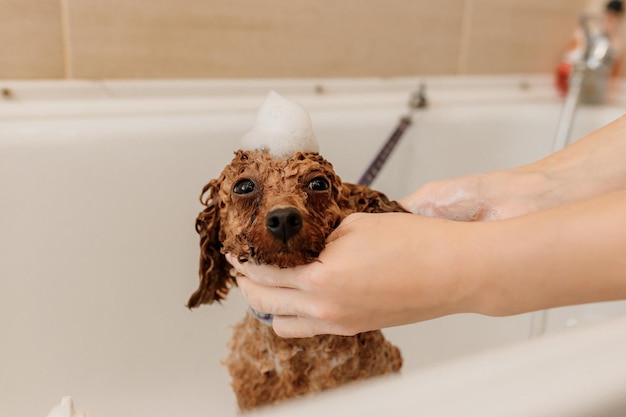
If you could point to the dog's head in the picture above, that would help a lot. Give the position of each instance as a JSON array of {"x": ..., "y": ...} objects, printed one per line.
[{"x": 276, "y": 211}]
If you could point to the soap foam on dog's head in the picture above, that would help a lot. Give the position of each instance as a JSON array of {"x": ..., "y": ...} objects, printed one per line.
[{"x": 282, "y": 127}]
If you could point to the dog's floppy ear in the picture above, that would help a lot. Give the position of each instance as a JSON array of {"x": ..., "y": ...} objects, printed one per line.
[
  {"x": 215, "y": 278},
  {"x": 357, "y": 198}
]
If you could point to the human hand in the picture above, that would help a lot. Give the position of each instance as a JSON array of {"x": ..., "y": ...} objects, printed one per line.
[
  {"x": 377, "y": 270},
  {"x": 481, "y": 197}
]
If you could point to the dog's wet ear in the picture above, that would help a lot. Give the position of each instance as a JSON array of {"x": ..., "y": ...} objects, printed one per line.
[
  {"x": 357, "y": 198},
  {"x": 215, "y": 278}
]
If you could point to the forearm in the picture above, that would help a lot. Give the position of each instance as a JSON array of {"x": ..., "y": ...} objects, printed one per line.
[
  {"x": 570, "y": 254},
  {"x": 589, "y": 167}
]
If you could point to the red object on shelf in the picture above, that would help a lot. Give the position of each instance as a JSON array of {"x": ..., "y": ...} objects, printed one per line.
[{"x": 563, "y": 72}]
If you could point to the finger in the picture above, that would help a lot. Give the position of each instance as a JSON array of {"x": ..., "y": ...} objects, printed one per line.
[
  {"x": 234, "y": 262},
  {"x": 344, "y": 227},
  {"x": 293, "y": 327},
  {"x": 409, "y": 204},
  {"x": 268, "y": 275},
  {"x": 272, "y": 300},
  {"x": 299, "y": 326},
  {"x": 414, "y": 202}
]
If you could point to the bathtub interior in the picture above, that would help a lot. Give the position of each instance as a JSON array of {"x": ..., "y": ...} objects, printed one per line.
[{"x": 99, "y": 251}]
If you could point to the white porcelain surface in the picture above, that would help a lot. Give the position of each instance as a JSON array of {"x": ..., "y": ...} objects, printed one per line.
[
  {"x": 579, "y": 373},
  {"x": 99, "y": 191}
]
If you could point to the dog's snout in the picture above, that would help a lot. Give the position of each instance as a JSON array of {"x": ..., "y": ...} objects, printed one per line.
[{"x": 283, "y": 222}]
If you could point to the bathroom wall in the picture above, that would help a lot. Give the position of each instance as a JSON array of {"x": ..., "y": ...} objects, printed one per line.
[{"x": 77, "y": 39}]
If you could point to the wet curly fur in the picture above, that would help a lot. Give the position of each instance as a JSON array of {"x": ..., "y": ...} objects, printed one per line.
[{"x": 240, "y": 218}]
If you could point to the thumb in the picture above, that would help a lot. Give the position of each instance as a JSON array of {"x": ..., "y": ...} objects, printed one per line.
[{"x": 344, "y": 227}]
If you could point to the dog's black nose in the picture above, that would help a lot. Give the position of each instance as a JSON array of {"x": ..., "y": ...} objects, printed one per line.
[{"x": 283, "y": 222}]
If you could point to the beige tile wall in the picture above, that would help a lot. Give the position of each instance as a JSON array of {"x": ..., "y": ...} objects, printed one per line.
[
  {"x": 280, "y": 38},
  {"x": 30, "y": 39}
]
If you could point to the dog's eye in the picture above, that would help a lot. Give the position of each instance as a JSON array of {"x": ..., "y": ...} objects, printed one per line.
[
  {"x": 244, "y": 187},
  {"x": 319, "y": 184}
]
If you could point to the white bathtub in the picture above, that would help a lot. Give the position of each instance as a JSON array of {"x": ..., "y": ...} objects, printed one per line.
[{"x": 98, "y": 254}]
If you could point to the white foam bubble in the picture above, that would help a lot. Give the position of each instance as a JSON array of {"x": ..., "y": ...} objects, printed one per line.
[
  {"x": 282, "y": 127},
  {"x": 66, "y": 409}
]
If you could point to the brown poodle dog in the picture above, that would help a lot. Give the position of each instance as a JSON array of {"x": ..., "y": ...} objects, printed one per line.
[{"x": 280, "y": 211}]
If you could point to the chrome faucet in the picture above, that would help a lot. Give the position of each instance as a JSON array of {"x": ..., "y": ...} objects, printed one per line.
[
  {"x": 589, "y": 79},
  {"x": 596, "y": 63},
  {"x": 598, "y": 44}
]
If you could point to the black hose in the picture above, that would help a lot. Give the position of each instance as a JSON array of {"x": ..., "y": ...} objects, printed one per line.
[
  {"x": 416, "y": 101},
  {"x": 381, "y": 157}
]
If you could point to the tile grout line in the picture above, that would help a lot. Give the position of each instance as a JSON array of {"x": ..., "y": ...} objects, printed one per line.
[
  {"x": 65, "y": 40},
  {"x": 466, "y": 32}
]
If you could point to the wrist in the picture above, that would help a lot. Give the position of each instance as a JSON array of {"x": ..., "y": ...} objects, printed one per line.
[
  {"x": 540, "y": 188},
  {"x": 458, "y": 267},
  {"x": 494, "y": 281}
]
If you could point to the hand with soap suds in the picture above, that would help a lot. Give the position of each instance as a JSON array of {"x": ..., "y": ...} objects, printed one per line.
[
  {"x": 481, "y": 197},
  {"x": 590, "y": 167}
]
